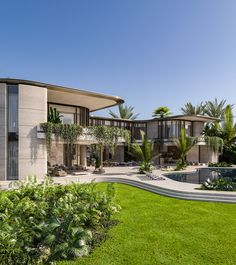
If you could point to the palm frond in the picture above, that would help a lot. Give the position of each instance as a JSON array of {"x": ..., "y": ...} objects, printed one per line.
[
  {"x": 125, "y": 112},
  {"x": 190, "y": 109}
]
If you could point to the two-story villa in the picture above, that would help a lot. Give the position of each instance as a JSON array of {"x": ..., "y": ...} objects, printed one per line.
[
  {"x": 163, "y": 132},
  {"x": 24, "y": 106}
]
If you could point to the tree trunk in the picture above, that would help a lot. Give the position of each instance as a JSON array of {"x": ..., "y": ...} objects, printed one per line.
[{"x": 101, "y": 156}]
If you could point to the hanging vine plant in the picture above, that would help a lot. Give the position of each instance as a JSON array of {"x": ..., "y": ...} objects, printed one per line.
[
  {"x": 47, "y": 128},
  {"x": 68, "y": 132},
  {"x": 108, "y": 137}
]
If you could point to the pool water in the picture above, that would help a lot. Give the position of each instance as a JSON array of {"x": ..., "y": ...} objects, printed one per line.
[{"x": 202, "y": 174}]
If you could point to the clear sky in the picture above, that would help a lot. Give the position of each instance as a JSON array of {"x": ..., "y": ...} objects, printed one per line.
[{"x": 149, "y": 52}]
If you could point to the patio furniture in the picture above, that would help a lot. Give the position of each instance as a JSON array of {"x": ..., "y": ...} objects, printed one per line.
[{"x": 153, "y": 176}]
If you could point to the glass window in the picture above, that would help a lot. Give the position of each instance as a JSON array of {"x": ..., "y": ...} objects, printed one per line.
[
  {"x": 12, "y": 144},
  {"x": 68, "y": 118}
]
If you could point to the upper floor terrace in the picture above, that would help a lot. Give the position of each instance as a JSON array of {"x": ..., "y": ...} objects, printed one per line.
[{"x": 163, "y": 129}]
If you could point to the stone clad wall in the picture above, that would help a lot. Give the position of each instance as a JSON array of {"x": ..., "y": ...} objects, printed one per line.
[
  {"x": 32, "y": 112},
  {"x": 3, "y": 131}
]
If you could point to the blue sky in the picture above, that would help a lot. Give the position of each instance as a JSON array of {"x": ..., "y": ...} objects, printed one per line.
[{"x": 149, "y": 52}]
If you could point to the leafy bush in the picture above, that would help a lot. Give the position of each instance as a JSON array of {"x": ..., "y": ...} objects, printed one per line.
[
  {"x": 229, "y": 155},
  {"x": 223, "y": 184},
  {"x": 145, "y": 167},
  {"x": 180, "y": 165},
  {"x": 220, "y": 164},
  {"x": 43, "y": 223}
]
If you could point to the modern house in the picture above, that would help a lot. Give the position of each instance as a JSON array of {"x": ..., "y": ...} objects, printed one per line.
[
  {"x": 24, "y": 106},
  {"x": 163, "y": 131}
]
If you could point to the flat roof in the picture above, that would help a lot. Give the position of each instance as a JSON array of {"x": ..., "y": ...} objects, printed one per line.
[
  {"x": 71, "y": 96},
  {"x": 203, "y": 118},
  {"x": 200, "y": 118}
]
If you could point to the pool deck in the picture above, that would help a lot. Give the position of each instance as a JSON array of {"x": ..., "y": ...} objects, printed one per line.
[{"x": 166, "y": 187}]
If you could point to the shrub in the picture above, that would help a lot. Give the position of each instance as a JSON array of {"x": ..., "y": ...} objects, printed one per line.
[
  {"x": 180, "y": 165},
  {"x": 220, "y": 164},
  {"x": 223, "y": 184},
  {"x": 229, "y": 155},
  {"x": 43, "y": 223},
  {"x": 145, "y": 167}
]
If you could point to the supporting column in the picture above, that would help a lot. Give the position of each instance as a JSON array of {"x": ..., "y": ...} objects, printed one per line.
[
  {"x": 32, "y": 112},
  {"x": 3, "y": 132},
  {"x": 83, "y": 155}
]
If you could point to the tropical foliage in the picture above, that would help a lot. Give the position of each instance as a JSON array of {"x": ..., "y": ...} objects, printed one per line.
[
  {"x": 44, "y": 223},
  {"x": 184, "y": 145},
  {"x": 108, "y": 137},
  {"x": 220, "y": 164},
  {"x": 67, "y": 132},
  {"x": 125, "y": 112},
  {"x": 105, "y": 136},
  {"x": 219, "y": 134},
  {"x": 228, "y": 127},
  {"x": 223, "y": 184},
  {"x": 161, "y": 112},
  {"x": 215, "y": 108},
  {"x": 54, "y": 115},
  {"x": 190, "y": 109},
  {"x": 145, "y": 153}
]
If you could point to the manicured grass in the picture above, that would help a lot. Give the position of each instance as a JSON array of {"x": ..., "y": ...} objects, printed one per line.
[{"x": 154, "y": 229}]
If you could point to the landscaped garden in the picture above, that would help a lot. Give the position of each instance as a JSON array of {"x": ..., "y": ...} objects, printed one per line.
[{"x": 153, "y": 229}]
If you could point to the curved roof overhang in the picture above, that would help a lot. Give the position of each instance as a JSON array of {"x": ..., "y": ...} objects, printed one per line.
[{"x": 72, "y": 96}]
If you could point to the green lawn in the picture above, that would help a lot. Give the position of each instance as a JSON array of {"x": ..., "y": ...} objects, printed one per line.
[{"x": 154, "y": 229}]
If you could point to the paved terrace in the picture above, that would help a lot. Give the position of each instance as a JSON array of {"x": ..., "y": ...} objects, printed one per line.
[{"x": 166, "y": 187}]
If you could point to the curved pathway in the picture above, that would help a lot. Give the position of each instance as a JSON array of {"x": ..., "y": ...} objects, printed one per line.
[{"x": 167, "y": 187}]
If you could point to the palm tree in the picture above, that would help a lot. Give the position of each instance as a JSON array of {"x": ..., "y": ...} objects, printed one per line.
[
  {"x": 215, "y": 109},
  {"x": 228, "y": 127},
  {"x": 190, "y": 109},
  {"x": 184, "y": 145},
  {"x": 161, "y": 112},
  {"x": 144, "y": 153},
  {"x": 125, "y": 112}
]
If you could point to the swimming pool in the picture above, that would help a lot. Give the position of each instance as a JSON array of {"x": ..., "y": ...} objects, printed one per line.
[{"x": 202, "y": 174}]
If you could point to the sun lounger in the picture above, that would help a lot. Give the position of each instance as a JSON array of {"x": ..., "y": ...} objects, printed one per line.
[{"x": 153, "y": 176}]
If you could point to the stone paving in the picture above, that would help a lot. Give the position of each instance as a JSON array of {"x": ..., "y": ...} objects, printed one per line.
[{"x": 131, "y": 173}]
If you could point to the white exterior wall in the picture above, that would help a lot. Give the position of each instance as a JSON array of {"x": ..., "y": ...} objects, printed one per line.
[
  {"x": 32, "y": 112},
  {"x": 3, "y": 131}
]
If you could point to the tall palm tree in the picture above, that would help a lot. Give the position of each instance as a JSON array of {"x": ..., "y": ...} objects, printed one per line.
[
  {"x": 190, "y": 109},
  {"x": 215, "y": 109},
  {"x": 125, "y": 112},
  {"x": 184, "y": 145},
  {"x": 228, "y": 127},
  {"x": 144, "y": 153},
  {"x": 161, "y": 112}
]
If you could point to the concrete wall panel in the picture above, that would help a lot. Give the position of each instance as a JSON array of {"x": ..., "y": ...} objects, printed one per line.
[
  {"x": 193, "y": 155},
  {"x": 3, "y": 131},
  {"x": 32, "y": 112}
]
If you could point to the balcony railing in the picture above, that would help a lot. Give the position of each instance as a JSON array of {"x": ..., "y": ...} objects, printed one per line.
[{"x": 84, "y": 138}]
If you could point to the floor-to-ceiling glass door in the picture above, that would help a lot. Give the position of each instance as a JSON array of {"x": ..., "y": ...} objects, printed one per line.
[{"x": 12, "y": 126}]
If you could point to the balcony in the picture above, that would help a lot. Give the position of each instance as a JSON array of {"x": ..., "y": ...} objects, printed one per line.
[{"x": 85, "y": 138}]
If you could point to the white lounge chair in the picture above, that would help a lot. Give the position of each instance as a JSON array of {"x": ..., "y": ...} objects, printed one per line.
[{"x": 153, "y": 176}]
